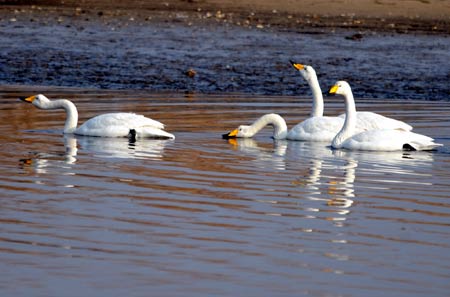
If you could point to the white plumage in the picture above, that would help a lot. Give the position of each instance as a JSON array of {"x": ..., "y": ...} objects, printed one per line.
[
  {"x": 247, "y": 131},
  {"x": 320, "y": 128},
  {"x": 316, "y": 129},
  {"x": 106, "y": 125},
  {"x": 374, "y": 140}
]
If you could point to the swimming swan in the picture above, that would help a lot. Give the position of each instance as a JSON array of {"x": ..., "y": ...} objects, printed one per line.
[
  {"x": 374, "y": 140},
  {"x": 106, "y": 125},
  {"x": 315, "y": 129},
  {"x": 280, "y": 130},
  {"x": 365, "y": 120}
]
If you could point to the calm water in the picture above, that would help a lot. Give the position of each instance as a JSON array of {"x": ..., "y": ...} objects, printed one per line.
[{"x": 203, "y": 216}]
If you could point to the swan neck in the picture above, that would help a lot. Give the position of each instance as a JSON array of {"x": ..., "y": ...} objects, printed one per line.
[
  {"x": 317, "y": 108},
  {"x": 348, "y": 129},
  {"x": 71, "y": 114},
  {"x": 278, "y": 123}
]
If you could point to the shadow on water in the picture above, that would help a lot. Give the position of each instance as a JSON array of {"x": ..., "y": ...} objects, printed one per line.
[{"x": 204, "y": 216}]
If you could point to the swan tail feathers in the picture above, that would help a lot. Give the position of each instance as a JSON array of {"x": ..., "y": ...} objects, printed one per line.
[
  {"x": 151, "y": 132},
  {"x": 414, "y": 146}
]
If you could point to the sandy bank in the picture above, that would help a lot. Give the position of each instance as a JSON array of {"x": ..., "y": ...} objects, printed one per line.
[{"x": 431, "y": 16}]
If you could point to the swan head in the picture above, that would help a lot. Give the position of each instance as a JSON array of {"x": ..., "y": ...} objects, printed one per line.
[
  {"x": 40, "y": 101},
  {"x": 341, "y": 88},
  {"x": 306, "y": 71},
  {"x": 242, "y": 131}
]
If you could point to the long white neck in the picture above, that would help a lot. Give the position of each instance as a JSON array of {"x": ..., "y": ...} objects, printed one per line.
[
  {"x": 348, "y": 129},
  {"x": 317, "y": 108},
  {"x": 71, "y": 113},
  {"x": 278, "y": 123}
]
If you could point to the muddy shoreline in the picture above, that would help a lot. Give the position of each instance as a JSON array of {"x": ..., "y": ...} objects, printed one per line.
[{"x": 197, "y": 47}]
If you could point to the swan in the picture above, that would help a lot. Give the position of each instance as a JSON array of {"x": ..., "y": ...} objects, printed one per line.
[
  {"x": 374, "y": 140},
  {"x": 120, "y": 124},
  {"x": 365, "y": 120},
  {"x": 280, "y": 130},
  {"x": 315, "y": 129}
]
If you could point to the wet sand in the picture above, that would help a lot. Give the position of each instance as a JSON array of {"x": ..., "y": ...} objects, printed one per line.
[{"x": 426, "y": 16}]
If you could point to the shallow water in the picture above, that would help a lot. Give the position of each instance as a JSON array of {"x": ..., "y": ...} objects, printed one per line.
[{"x": 203, "y": 216}]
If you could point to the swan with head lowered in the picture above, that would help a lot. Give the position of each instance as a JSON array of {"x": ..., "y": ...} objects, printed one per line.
[
  {"x": 365, "y": 120},
  {"x": 280, "y": 131},
  {"x": 120, "y": 124},
  {"x": 374, "y": 140}
]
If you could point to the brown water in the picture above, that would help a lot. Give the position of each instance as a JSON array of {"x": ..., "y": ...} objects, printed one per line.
[{"x": 203, "y": 216}]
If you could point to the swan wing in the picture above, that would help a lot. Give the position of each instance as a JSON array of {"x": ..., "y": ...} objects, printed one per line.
[
  {"x": 389, "y": 140},
  {"x": 316, "y": 129},
  {"x": 117, "y": 125},
  {"x": 367, "y": 120}
]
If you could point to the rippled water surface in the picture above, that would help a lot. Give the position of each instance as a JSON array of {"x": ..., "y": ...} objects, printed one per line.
[{"x": 203, "y": 216}]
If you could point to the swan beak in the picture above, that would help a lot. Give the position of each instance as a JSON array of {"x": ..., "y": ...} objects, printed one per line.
[
  {"x": 334, "y": 89},
  {"x": 298, "y": 66},
  {"x": 232, "y": 134},
  {"x": 28, "y": 99}
]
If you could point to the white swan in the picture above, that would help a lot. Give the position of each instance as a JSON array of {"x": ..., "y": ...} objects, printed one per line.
[
  {"x": 365, "y": 120},
  {"x": 315, "y": 129},
  {"x": 106, "y": 125},
  {"x": 280, "y": 130},
  {"x": 374, "y": 140}
]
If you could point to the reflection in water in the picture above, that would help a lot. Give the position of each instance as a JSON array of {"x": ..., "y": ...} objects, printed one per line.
[
  {"x": 99, "y": 147},
  {"x": 70, "y": 144},
  {"x": 332, "y": 173},
  {"x": 265, "y": 157},
  {"x": 324, "y": 181},
  {"x": 107, "y": 147},
  {"x": 197, "y": 215}
]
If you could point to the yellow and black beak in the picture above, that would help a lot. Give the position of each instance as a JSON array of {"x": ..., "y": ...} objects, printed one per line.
[
  {"x": 28, "y": 99},
  {"x": 232, "y": 134},
  {"x": 334, "y": 89},
  {"x": 297, "y": 65}
]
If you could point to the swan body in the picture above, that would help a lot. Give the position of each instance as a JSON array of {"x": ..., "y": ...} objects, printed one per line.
[
  {"x": 365, "y": 120},
  {"x": 374, "y": 140},
  {"x": 316, "y": 129},
  {"x": 106, "y": 125}
]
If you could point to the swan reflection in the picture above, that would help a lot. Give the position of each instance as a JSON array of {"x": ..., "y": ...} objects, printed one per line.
[
  {"x": 273, "y": 157},
  {"x": 331, "y": 174},
  {"x": 106, "y": 147},
  {"x": 99, "y": 147}
]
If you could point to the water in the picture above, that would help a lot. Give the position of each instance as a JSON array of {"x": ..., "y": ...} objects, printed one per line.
[{"x": 203, "y": 216}]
